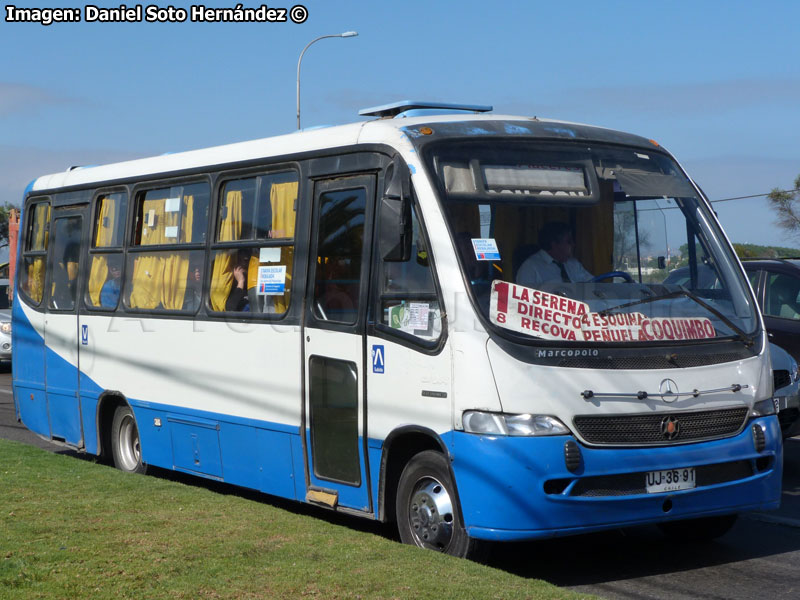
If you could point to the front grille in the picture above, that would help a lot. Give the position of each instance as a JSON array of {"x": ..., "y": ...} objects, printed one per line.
[
  {"x": 781, "y": 378},
  {"x": 660, "y": 361},
  {"x": 655, "y": 429},
  {"x": 629, "y": 484}
]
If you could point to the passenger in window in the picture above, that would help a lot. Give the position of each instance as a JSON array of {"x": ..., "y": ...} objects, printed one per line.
[
  {"x": 64, "y": 278},
  {"x": 554, "y": 261},
  {"x": 194, "y": 288},
  {"x": 109, "y": 293},
  {"x": 237, "y": 299}
]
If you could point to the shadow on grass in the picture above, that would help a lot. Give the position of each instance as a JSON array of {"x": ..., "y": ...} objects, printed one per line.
[{"x": 385, "y": 530}]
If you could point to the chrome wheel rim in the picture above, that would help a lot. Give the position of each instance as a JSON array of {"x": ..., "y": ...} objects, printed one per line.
[
  {"x": 430, "y": 515},
  {"x": 129, "y": 448}
]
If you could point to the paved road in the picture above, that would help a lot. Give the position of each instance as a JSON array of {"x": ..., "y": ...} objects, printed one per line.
[{"x": 758, "y": 559}]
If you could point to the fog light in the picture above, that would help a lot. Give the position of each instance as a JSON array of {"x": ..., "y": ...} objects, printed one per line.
[
  {"x": 572, "y": 456},
  {"x": 759, "y": 439}
]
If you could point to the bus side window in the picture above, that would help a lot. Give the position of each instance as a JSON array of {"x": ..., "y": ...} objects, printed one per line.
[
  {"x": 103, "y": 286},
  {"x": 258, "y": 215},
  {"x": 340, "y": 249},
  {"x": 171, "y": 279},
  {"x": 66, "y": 248},
  {"x": 37, "y": 235},
  {"x": 408, "y": 300}
]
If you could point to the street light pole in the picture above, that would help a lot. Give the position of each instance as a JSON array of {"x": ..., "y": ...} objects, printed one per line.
[{"x": 300, "y": 60}]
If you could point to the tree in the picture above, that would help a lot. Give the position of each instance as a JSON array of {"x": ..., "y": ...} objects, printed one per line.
[
  {"x": 4, "y": 210},
  {"x": 787, "y": 205}
]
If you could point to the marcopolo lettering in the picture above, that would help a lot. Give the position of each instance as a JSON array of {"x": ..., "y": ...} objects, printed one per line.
[{"x": 559, "y": 353}]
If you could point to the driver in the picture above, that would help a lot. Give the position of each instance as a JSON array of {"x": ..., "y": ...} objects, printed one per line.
[{"x": 554, "y": 262}]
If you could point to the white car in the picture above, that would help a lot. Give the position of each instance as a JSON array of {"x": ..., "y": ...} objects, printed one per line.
[
  {"x": 787, "y": 390},
  {"x": 5, "y": 334}
]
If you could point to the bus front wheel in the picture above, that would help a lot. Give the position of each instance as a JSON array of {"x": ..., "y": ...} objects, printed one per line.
[
  {"x": 125, "y": 446},
  {"x": 427, "y": 515}
]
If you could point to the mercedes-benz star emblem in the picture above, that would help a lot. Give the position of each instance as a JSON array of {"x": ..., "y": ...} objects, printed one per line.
[
  {"x": 669, "y": 390},
  {"x": 670, "y": 427}
]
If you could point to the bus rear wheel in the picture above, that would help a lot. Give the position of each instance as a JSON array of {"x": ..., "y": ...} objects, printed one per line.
[
  {"x": 426, "y": 510},
  {"x": 125, "y": 445}
]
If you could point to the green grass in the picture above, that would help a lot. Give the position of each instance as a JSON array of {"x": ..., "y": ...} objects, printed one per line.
[{"x": 70, "y": 528}]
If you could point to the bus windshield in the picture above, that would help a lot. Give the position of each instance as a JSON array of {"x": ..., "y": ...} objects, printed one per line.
[{"x": 589, "y": 244}]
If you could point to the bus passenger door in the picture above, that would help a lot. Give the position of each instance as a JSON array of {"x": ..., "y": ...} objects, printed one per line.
[
  {"x": 61, "y": 335},
  {"x": 333, "y": 337}
]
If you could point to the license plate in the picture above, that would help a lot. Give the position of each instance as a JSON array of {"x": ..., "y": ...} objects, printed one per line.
[{"x": 670, "y": 480}]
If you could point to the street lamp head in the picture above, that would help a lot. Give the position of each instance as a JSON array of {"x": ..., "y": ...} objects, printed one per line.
[{"x": 346, "y": 34}]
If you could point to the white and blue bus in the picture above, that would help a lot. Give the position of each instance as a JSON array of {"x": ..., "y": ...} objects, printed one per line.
[{"x": 368, "y": 317}]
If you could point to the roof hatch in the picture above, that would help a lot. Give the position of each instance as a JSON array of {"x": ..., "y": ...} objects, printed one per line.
[{"x": 415, "y": 108}]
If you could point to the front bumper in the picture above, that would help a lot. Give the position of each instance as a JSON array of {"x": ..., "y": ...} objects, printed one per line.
[{"x": 515, "y": 488}]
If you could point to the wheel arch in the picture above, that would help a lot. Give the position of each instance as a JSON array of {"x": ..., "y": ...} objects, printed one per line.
[
  {"x": 107, "y": 403},
  {"x": 399, "y": 447}
]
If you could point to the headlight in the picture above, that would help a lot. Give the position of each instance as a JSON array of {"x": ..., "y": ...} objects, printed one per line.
[
  {"x": 795, "y": 374},
  {"x": 5, "y": 327},
  {"x": 476, "y": 421},
  {"x": 764, "y": 408}
]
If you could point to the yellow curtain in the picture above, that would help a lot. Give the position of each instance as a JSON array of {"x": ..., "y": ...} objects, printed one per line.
[
  {"x": 106, "y": 222},
  {"x": 148, "y": 269},
  {"x": 176, "y": 271},
  {"x": 36, "y": 279},
  {"x": 41, "y": 218},
  {"x": 97, "y": 277},
  {"x": 161, "y": 278},
  {"x": 230, "y": 229},
  {"x": 176, "y": 265},
  {"x": 187, "y": 219},
  {"x": 148, "y": 279},
  {"x": 282, "y": 302},
  {"x": 154, "y": 224},
  {"x": 106, "y": 225},
  {"x": 252, "y": 272},
  {"x": 594, "y": 232},
  {"x": 283, "y": 200}
]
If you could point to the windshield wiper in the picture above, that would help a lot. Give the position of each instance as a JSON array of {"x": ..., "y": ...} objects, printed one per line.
[{"x": 746, "y": 339}]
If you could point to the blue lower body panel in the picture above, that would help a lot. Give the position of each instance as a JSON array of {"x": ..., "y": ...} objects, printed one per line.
[
  {"x": 254, "y": 454},
  {"x": 515, "y": 488}
]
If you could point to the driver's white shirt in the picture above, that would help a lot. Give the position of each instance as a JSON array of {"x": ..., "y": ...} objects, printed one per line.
[{"x": 541, "y": 268}]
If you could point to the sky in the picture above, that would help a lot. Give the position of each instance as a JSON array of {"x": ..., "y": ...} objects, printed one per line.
[{"x": 716, "y": 83}]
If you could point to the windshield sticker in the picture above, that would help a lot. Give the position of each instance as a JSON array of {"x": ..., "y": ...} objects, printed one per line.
[
  {"x": 271, "y": 281},
  {"x": 268, "y": 255},
  {"x": 485, "y": 249},
  {"x": 554, "y": 317},
  {"x": 409, "y": 317},
  {"x": 172, "y": 204}
]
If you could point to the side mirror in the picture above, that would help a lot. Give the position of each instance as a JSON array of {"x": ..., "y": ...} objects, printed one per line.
[{"x": 395, "y": 214}]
